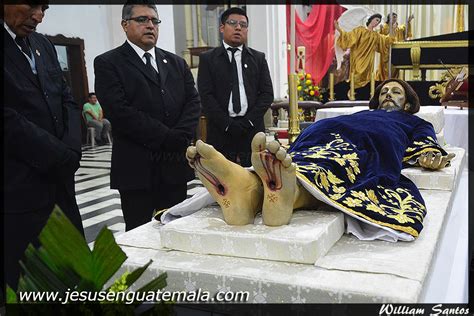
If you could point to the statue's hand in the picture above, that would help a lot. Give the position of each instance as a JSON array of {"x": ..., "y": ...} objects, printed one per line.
[{"x": 435, "y": 161}]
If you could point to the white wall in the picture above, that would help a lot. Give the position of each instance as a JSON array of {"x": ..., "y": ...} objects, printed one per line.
[
  {"x": 99, "y": 27},
  {"x": 267, "y": 33},
  {"x": 166, "y": 40}
]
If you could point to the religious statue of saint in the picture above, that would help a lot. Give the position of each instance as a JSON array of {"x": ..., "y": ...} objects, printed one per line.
[
  {"x": 402, "y": 33},
  {"x": 363, "y": 42}
]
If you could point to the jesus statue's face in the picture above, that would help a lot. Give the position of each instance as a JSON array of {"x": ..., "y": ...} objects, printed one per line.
[{"x": 392, "y": 97}]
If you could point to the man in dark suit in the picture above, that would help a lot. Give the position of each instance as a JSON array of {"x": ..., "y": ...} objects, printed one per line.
[
  {"x": 235, "y": 88},
  {"x": 42, "y": 135},
  {"x": 149, "y": 96}
]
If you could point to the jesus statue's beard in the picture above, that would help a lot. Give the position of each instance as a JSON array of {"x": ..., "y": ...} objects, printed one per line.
[{"x": 390, "y": 105}]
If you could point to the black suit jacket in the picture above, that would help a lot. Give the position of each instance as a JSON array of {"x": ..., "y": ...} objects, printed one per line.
[
  {"x": 41, "y": 122},
  {"x": 128, "y": 94},
  {"x": 215, "y": 86}
]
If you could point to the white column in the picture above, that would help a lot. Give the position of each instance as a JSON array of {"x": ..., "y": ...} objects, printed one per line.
[
  {"x": 201, "y": 42},
  {"x": 194, "y": 23},
  {"x": 189, "y": 32},
  {"x": 267, "y": 33},
  {"x": 166, "y": 39},
  {"x": 114, "y": 18}
]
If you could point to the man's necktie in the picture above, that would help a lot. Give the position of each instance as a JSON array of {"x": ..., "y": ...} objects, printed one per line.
[
  {"x": 150, "y": 68},
  {"x": 21, "y": 41},
  {"x": 235, "y": 82}
]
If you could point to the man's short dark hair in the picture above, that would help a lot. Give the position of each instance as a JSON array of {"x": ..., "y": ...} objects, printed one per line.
[
  {"x": 373, "y": 16},
  {"x": 128, "y": 7},
  {"x": 91, "y": 94},
  {"x": 233, "y": 10},
  {"x": 388, "y": 17},
  {"x": 410, "y": 94}
]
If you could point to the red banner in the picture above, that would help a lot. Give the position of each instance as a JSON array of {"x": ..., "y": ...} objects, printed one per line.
[{"x": 317, "y": 35}]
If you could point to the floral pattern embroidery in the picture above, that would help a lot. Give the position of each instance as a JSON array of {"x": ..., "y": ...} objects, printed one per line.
[
  {"x": 396, "y": 208},
  {"x": 420, "y": 146}
]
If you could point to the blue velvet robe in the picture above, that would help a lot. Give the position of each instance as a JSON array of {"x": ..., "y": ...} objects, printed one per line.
[{"x": 355, "y": 161}]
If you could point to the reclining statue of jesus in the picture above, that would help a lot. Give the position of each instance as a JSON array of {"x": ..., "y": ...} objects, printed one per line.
[{"x": 351, "y": 162}]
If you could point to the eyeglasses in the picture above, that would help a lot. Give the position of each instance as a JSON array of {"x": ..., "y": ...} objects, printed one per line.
[
  {"x": 144, "y": 20},
  {"x": 234, "y": 23}
]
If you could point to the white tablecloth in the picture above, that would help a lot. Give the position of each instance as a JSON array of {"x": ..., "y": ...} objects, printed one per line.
[
  {"x": 456, "y": 127},
  {"x": 455, "y": 124},
  {"x": 448, "y": 280},
  {"x": 272, "y": 281}
]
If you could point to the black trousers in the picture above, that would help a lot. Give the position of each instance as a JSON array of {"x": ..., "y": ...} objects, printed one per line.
[
  {"x": 236, "y": 148},
  {"x": 21, "y": 229},
  {"x": 238, "y": 152},
  {"x": 138, "y": 205}
]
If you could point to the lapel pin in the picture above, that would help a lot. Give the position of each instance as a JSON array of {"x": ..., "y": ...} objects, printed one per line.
[
  {"x": 245, "y": 65},
  {"x": 165, "y": 61},
  {"x": 38, "y": 53}
]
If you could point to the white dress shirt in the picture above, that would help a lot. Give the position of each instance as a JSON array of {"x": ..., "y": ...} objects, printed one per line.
[
  {"x": 141, "y": 53},
  {"x": 31, "y": 60},
  {"x": 243, "y": 95}
]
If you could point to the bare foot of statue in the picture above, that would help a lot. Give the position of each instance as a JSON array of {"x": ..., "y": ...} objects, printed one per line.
[
  {"x": 238, "y": 191},
  {"x": 278, "y": 174},
  {"x": 281, "y": 192}
]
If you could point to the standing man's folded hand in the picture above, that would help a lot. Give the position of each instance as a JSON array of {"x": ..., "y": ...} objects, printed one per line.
[{"x": 176, "y": 140}]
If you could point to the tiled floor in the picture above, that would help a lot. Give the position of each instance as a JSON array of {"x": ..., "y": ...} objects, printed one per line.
[{"x": 98, "y": 204}]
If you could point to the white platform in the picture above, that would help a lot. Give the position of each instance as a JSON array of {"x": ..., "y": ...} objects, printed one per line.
[
  {"x": 456, "y": 127},
  {"x": 308, "y": 236},
  {"x": 444, "y": 179},
  {"x": 352, "y": 271},
  {"x": 432, "y": 114},
  {"x": 450, "y": 125}
]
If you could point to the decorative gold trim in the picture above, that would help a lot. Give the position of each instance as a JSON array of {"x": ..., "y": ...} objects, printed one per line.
[
  {"x": 157, "y": 214},
  {"x": 419, "y": 153},
  {"x": 332, "y": 190},
  {"x": 415, "y": 55},
  {"x": 431, "y": 44},
  {"x": 437, "y": 91},
  {"x": 430, "y": 66},
  {"x": 408, "y": 230},
  {"x": 459, "y": 17}
]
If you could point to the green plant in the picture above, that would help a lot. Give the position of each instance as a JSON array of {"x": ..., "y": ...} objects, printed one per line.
[{"x": 65, "y": 263}]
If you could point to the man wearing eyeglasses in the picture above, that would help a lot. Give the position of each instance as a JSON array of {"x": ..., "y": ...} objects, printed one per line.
[
  {"x": 149, "y": 97},
  {"x": 235, "y": 88},
  {"x": 42, "y": 135}
]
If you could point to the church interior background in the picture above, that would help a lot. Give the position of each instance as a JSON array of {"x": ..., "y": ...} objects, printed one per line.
[{"x": 188, "y": 30}]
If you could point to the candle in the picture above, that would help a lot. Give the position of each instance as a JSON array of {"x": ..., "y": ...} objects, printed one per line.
[
  {"x": 331, "y": 86},
  {"x": 352, "y": 92},
  {"x": 372, "y": 84}
]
